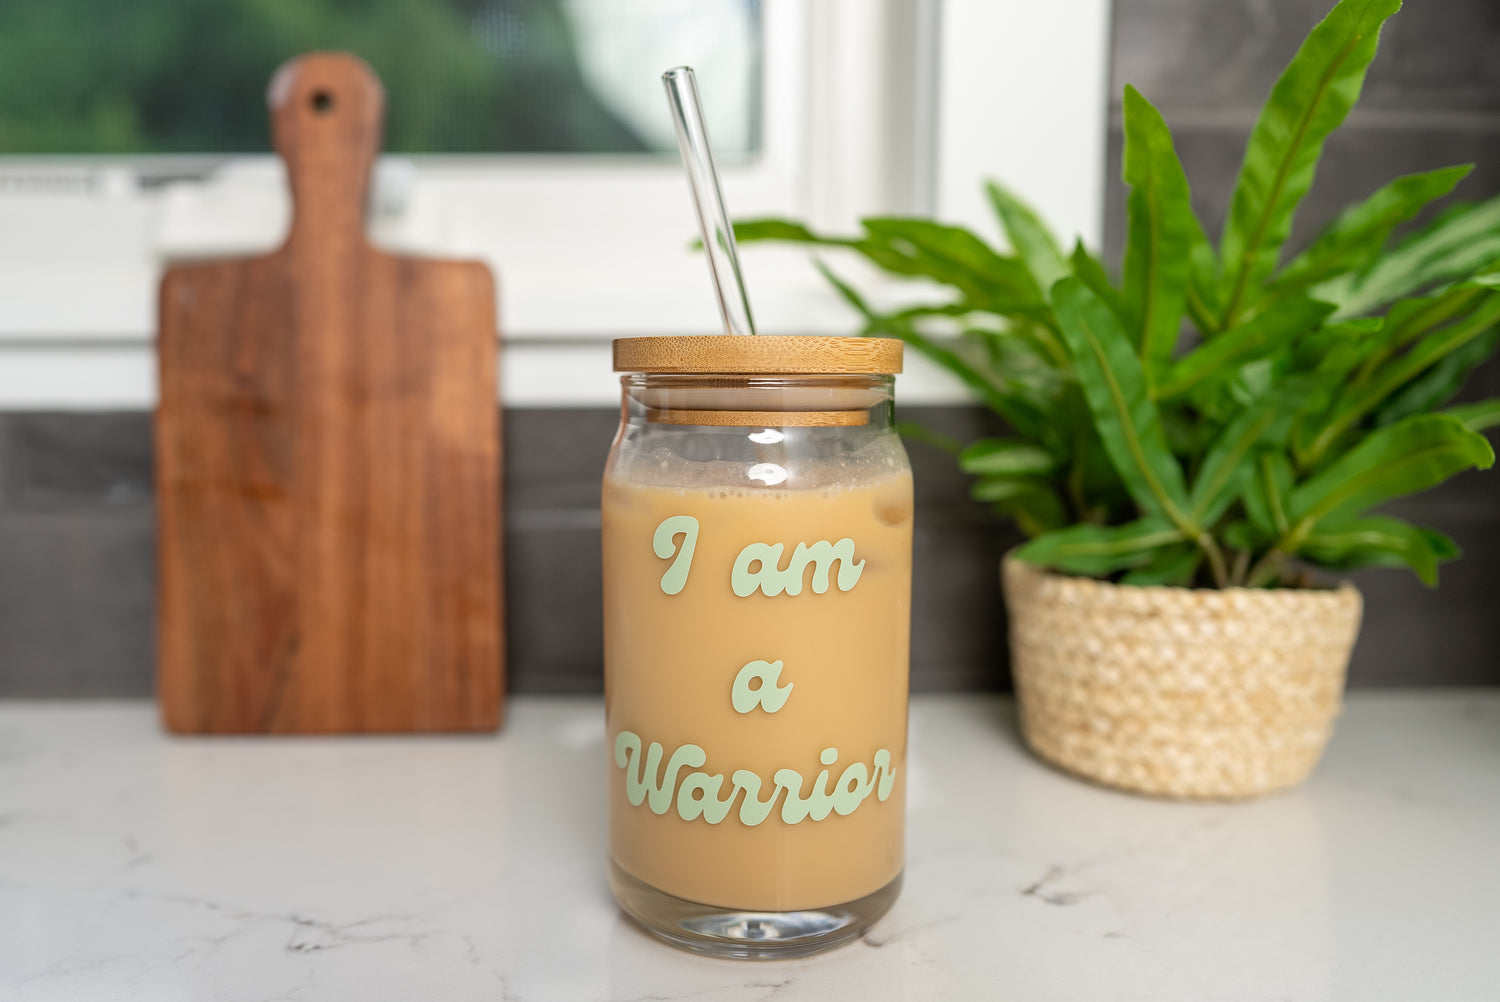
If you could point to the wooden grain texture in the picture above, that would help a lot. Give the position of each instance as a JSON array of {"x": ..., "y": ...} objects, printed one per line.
[
  {"x": 763, "y": 354},
  {"x": 758, "y": 419},
  {"x": 328, "y": 461}
]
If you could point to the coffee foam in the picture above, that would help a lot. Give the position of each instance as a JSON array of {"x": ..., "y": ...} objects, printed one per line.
[{"x": 870, "y": 466}]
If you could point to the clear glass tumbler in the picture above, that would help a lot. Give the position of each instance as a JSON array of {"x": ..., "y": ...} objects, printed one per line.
[{"x": 757, "y": 513}]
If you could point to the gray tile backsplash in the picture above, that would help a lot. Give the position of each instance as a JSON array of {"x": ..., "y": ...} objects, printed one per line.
[
  {"x": 1226, "y": 54},
  {"x": 77, "y": 555},
  {"x": 78, "y": 459},
  {"x": 77, "y": 570},
  {"x": 77, "y": 593}
]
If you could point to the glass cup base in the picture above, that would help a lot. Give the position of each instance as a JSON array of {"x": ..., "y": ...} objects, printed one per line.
[{"x": 747, "y": 935}]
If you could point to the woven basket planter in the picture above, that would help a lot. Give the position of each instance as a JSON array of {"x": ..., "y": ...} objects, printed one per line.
[{"x": 1178, "y": 692}]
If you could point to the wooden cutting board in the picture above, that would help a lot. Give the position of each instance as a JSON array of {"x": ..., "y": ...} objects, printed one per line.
[{"x": 328, "y": 460}]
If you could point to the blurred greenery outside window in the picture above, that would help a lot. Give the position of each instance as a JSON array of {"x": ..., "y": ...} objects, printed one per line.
[{"x": 142, "y": 77}]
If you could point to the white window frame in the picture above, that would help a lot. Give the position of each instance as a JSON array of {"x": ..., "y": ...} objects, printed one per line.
[{"x": 871, "y": 106}]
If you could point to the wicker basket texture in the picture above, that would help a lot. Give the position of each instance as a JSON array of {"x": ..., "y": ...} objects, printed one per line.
[{"x": 1177, "y": 692}]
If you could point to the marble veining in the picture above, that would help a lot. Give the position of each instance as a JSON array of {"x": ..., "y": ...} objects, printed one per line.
[{"x": 139, "y": 866}]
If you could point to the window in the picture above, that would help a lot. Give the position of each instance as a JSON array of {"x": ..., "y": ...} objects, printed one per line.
[
  {"x": 464, "y": 76},
  {"x": 530, "y": 133}
]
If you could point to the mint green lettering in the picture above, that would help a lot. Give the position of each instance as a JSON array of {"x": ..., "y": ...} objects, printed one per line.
[
  {"x": 821, "y": 555},
  {"x": 885, "y": 774},
  {"x": 794, "y": 808},
  {"x": 772, "y": 579},
  {"x": 852, "y": 788},
  {"x": 647, "y": 782},
  {"x": 699, "y": 795},
  {"x": 753, "y": 810},
  {"x": 768, "y": 695},
  {"x": 664, "y": 543},
  {"x": 819, "y": 801},
  {"x": 766, "y": 577}
]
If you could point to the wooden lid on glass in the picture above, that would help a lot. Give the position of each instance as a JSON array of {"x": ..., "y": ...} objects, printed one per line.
[{"x": 758, "y": 354}]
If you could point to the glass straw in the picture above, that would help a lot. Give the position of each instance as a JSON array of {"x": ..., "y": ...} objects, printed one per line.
[{"x": 708, "y": 200}]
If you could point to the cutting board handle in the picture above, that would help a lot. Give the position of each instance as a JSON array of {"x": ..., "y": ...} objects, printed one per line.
[{"x": 327, "y": 112}]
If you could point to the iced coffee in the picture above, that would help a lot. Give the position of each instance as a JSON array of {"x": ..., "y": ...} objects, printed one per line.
[{"x": 757, "y": 573}]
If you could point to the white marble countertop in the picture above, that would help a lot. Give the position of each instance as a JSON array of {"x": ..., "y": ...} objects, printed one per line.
[{"x": 137, "y": 866}]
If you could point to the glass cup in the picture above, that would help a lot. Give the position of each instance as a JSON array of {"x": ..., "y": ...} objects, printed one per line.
[{"x": 757, "y": 511}]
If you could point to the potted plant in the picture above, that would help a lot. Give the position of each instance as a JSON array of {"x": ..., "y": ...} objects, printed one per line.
[{"x": 1187, "y": 441}]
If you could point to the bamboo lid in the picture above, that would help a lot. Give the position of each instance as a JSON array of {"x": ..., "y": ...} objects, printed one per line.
[{"x": 758, "y": 354}]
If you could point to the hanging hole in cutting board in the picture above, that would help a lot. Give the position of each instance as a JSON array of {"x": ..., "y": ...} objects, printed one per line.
[{"x": 322, "y": 102}]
